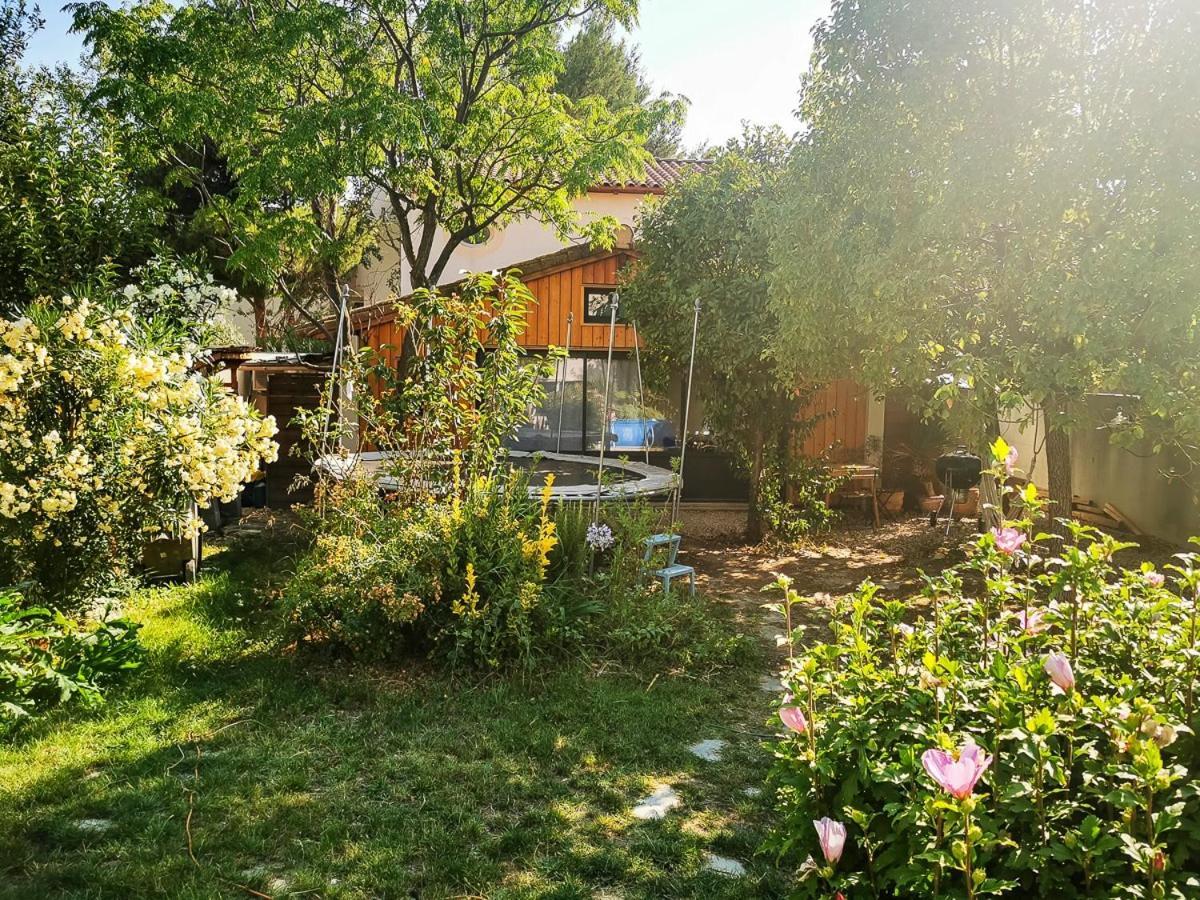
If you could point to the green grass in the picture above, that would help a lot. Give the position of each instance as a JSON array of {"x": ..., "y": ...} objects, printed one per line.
[{"x": 295, "y": 775}]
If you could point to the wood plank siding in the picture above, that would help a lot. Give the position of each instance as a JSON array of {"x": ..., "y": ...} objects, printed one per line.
[
  {"x": 558, "y": 282},
  {"x": 557, "y": 289},
  {"x": 841, "y": 433}
]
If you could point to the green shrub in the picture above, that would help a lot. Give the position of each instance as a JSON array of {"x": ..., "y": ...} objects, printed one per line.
[
  {"x": 462, "y": 575},
  {"x": 792, "y": 499},
  {"x": 47, "y": 659},
  {"x": 458, "y": 560},
  {"x": 1074, "y": 677}
]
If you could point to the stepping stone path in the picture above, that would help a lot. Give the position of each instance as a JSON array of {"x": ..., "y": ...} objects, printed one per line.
[
  {"x": 658, "y": 804},
  {"x": 709, "y": 750},
  {"x": 723, "y": 865},
  {"x": 769, "y": 684},
  {"x": 94, "y": 826}
]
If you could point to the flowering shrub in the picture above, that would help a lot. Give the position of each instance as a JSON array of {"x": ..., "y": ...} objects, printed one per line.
[
  {"x": 1027, "y": 736},
  {"x": 107, "y": 437},
  {"x": 463, "y": 575}
]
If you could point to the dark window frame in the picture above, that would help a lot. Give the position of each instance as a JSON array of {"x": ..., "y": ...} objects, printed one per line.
[{"x": 604, "y": 317}]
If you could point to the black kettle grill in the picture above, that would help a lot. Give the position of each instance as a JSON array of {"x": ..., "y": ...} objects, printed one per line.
[{"x": 959, "y": 472}]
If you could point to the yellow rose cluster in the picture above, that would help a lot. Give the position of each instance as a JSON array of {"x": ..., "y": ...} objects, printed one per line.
[{"x": 107, "y": 435}]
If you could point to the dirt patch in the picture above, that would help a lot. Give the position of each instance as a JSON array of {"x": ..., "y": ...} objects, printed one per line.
[{"x": 893, "y": 557}]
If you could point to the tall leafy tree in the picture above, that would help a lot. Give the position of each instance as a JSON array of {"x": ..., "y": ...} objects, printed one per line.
[
  {"x": 704, "y": 243},
  {"x": 1001, "y": 197},
  {"x": 70, "y": 207},
  {"x": 598, "y": 63},
  {"x": 424, "y": 124}
]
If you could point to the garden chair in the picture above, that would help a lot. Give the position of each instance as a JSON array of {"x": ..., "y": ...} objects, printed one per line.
[{"x": 669, "y": 543}]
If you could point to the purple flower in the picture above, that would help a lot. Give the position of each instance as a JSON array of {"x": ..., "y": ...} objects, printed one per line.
[
  {"x": 1008, "y": 540},
  {"x": 956, "y": 777},
  {"x": 1154, "y": 579},
  {"x": 832, "y": 836}
]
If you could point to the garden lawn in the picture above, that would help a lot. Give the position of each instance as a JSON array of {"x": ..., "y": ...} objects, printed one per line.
[{"x": 235, "y": 766}]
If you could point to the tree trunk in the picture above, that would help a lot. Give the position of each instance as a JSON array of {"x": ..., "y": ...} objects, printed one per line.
[
  {"x": 754, "y": 525},
  {"x": 1058, "y": 468},
  {"x": 990, "y": 498}
]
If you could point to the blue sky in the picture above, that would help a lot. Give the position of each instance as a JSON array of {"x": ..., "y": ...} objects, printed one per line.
[{"x": 736, "y": 60}]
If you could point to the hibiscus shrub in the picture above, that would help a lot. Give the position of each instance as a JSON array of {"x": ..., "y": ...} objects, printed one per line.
[
  {"x": 1029, "y": 734},
  {"x": 108, "y": 437}
]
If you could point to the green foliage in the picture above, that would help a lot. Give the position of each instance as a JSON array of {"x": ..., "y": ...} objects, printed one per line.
[
  {"x": 445, "y": 411},
  {"x": 1091, "y": 787},
  {"x": 69, "y": 208},
  {"x": 47, "y": 659},
  {"x": 703, "y": 244},
  {"x": 463, "y": 576},
  {"x": 1000, "y": 192},
  {"x": 596, "y": 63},
  {"x": 792, "y": 499},
  {"x": 422, "y": 125}
]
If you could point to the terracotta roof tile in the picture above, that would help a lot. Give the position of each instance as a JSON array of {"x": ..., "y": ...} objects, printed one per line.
[{"x": 660, "y": 175}]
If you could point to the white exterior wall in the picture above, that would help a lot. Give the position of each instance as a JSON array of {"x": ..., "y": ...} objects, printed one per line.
[
  {"x": 522, "y": 240},
  {"x": 1133, "y": 480}
]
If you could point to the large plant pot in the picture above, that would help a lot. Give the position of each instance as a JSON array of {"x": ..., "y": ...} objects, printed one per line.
[
  {"x": 969, "y": 507},
  {"x": 932, "y": 504}
]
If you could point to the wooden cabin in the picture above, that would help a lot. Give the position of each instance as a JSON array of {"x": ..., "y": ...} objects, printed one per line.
[{"x": 573, "y": 288}]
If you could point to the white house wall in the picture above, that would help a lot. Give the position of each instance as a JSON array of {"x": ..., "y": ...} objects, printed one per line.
[{"x": 522, "y": 240}]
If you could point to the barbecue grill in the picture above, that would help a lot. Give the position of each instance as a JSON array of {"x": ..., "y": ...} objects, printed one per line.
[{"x": 959, "y": 471}]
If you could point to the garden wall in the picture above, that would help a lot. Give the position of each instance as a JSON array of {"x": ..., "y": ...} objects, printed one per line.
[{"x": 1155, "y": 492}]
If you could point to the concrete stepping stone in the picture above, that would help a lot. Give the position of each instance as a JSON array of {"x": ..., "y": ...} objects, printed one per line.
[
  {"x": 710, "y": 750},
  {"x": 769, "y": 684},
  {"x": 658, "y": 804},
  {"x": 94, "y": 826},
  {"x": 723, "y": 865}
]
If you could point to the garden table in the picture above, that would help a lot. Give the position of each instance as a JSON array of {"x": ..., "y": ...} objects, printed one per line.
[{"x": 860, "y": 483}]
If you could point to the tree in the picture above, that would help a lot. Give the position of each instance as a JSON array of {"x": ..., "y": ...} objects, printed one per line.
[
  {"x": 420, "y": 124},
  {"x": 596, "y": 63},
  {"x": 702, "y": 243},
  {"x": 1002, "y": 197},
  {"x": 69, "y": 207}
]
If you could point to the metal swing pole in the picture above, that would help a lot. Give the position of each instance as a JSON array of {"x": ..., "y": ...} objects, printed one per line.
[
  {"x": 637, "y": 355},
  {"x": 612, "y": 333},
  {"x": 562, "y": 387},
  {"x": 335, "y": 365},
  {"x": 687, "y": 406}
]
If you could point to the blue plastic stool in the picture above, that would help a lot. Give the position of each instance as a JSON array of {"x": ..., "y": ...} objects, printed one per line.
[{"x": 672, "y": 569}]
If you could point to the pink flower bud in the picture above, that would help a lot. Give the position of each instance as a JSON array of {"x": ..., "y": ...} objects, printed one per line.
[
  {"x": 793, "y": 718},
  {"x": 832, "y": 836},
  {"x": 1032, "y": 622},
  {"x": 1058, "y": 667},
  {"x": 1154, "y": 579},
  {"x": 1010, "y": 460}
]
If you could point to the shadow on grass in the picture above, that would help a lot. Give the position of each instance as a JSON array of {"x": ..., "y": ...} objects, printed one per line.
[{"x": 284, "y": 774}]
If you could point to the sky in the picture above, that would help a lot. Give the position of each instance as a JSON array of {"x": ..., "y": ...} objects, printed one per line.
[{"x": 735, "y": 60}]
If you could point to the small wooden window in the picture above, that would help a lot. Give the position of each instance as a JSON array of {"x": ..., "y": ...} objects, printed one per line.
[{"x": 597, "y": 304}]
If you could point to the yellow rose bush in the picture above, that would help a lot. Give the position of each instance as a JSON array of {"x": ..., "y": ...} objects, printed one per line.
[{"x": 107, "y": 438}]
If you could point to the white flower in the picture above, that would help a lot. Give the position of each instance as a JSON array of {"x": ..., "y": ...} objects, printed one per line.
[{"x": 600, "y": 537}]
